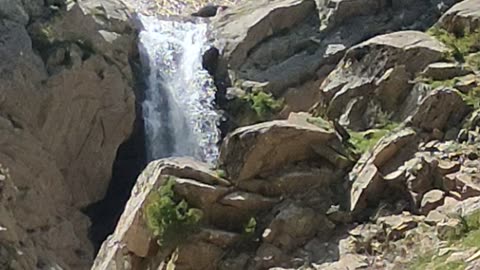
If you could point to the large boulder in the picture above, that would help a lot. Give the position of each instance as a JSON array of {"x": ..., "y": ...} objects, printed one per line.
[
  {"x": 66, "y": 108},
  {"x": 262, "y": 148},
  {"x": 379, "y": 69},
  {"x": 247, "y": 38},
  {"x": 463, "y": 16}
]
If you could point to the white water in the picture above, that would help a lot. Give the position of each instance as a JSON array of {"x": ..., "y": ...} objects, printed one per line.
[{"x": 178, "y": 108}]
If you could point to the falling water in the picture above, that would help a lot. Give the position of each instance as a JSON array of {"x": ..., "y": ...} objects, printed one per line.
[{"x": 178, "y": 108}]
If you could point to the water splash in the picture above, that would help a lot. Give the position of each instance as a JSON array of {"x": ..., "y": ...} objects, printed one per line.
[{"x": 178, "y": 108}]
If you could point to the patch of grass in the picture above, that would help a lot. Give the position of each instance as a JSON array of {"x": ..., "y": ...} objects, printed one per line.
[
  {"x": 263, "y": 103},
  {"x": 460, "y": 46},
  {"x": 320, "y": 122},
  {"x": 432, "y": 262},
  {"x": 221, "y": 173},
  {"x": 472, "y": 98},
  {"x": 169, "y": 218},
  {"x": 366, "y": 140}
]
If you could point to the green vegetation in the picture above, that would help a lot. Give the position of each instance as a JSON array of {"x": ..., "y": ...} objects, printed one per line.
[
  {"x": 264, "y": 104},
  {"x": 472, "y": 98},
  {"x": 366, "y": 140},
  {"x": 169, "y": 217},
  {"x": 320, "y": 122},
  {"x": 250, "y": 226},
  {"x": 221, "y": 173},
  {"x": 469, "y": 239},
  {"x": 460, "y": 45}
]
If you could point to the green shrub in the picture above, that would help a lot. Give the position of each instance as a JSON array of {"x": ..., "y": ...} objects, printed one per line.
[
  {"x": 264, "y": 104},
  {"x": 168, "y": 217},
  {"x": 460, "y": 46},
  {"x": 366, "y": 140}
]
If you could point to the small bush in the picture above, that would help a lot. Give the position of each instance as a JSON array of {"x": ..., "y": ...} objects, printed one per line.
[
  {"x": 460, "y": 46},
  {"x": 169, "y": 218},
  {"x": 264, "y": 104},
  {"x": 366, "y": 140}
]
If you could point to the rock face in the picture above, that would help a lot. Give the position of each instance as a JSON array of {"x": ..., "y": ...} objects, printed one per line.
[
  {"x": 229, "y": 208},
  {"x": 249, "y": 151},
  {"x": 247, "y": 37},
  {"x": 67, "y": 104},
  {"x": 380, "y": 70},
  {"x": 464, "y": 15}
]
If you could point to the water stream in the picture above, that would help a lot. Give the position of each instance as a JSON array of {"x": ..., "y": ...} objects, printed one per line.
[{"x": 178, "y": 111}]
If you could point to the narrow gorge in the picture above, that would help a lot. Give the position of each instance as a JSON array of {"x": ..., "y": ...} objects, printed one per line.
[{"x": 238, "y": 135}]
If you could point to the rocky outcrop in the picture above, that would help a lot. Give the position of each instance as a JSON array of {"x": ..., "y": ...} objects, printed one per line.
[
  {"x": 248, "y": 47},
  {"x": 67, "y": 104},
  {"x": 253, "y": 150},
  {"x": 389, "y": 171},
  {"x": 255, "y": 195},
  {"x": 378, "y": 70},
  {"x": 462, "y": 16}
]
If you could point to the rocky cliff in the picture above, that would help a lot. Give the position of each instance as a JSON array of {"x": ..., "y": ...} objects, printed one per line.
[
  {"x": 67, "y": 103},
  {"x": 352, "y": 143}
]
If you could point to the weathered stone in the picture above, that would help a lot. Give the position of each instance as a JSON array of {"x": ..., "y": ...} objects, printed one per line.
[
  {"x": 450, "y": 229},
  {"x": 431, "y": 200},
  {"x": 252, "y": 150},
  {"x": 244, "y": 26},
  {"x": 367, "y": 180},
  {"x": 382, "y": 67},
  {"x": 462, "y": 16},
  {"x": 293, "y": 226},
  {"x": 132, "y": 232},
  {"x": 199, "y": 194},
  {"x": 291, "y": 181},
  {"x": 440, "y": 109},
  {"x": 445, "y": 71},
  {"x": 245, "y": 201}
]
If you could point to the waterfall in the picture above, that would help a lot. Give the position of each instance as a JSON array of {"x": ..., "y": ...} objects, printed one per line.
[{"x": 178, "y": 111}]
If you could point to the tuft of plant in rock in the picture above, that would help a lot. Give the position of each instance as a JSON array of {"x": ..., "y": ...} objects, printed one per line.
[
  {"x": 460, "y": 45},
  {"x": 170, "y": 218},
  {"x": 263, "y": 103}
]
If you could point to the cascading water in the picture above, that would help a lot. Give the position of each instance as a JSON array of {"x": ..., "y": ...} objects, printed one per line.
[{"x": 178, "y": 108}]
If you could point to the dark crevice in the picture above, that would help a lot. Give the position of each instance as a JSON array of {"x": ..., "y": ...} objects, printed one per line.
[{"x": 129, "y": 163}]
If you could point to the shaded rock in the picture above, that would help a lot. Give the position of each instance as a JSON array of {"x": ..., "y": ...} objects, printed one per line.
[
  {"x": 380, "y": 67},
  {"x": 208, "y": 11},
  {"x": 450, "y": 229},
  {"x": 290, "y": 181},
  {"x": 440, "y": 109},
  {"x": 193, "y": 256},
  {"x": 431, "y": 200},
  {"x": 445, "y": 71},
  {"x": 368, "y": 183},
  {"x": 132, "y": 236},
  {"x": 252, "y": 150},
  {"x": 293, "y": 226},
  {"x": 247, "y": 201},
  {"x": 462, "y": 16}
]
